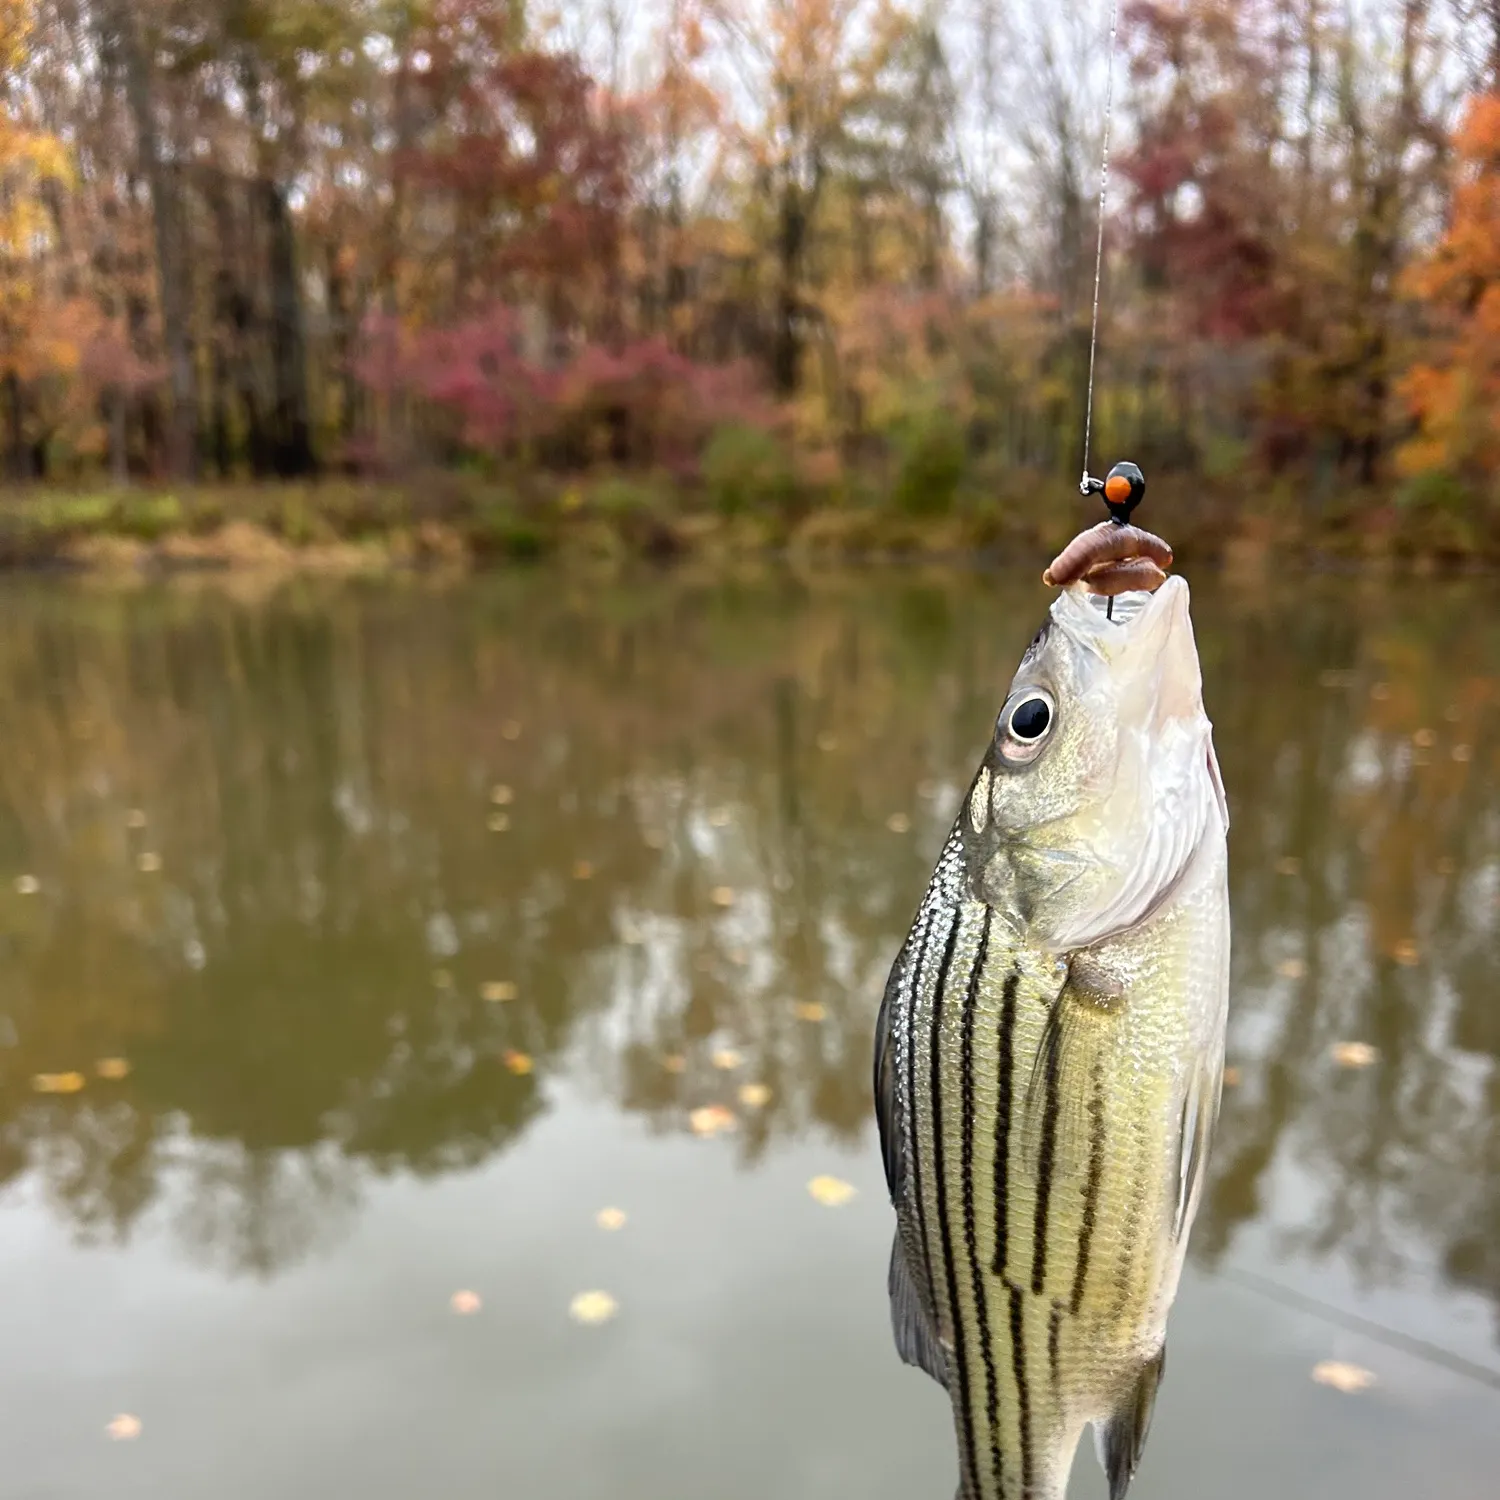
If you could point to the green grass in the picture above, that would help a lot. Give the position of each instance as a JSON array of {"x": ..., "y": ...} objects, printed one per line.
[{"x": 750, "y": 499}]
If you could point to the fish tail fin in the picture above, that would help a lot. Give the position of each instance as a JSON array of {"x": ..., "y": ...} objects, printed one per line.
[{"x": 1120, "y": 1439}]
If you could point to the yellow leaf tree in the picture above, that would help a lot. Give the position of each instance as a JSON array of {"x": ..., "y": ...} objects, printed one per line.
[{"x": 29, "y": 158}]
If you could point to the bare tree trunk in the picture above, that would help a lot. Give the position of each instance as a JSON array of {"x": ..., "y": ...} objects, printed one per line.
[
  {"x": 119, "y": 471},
  {"x": 117, "y": 19},
  {"x": 291, "y": 420},
  {"x": 19, "y": 465},
  {"x": 291, "y": 426},
  {"x": 786, "y": 346},
  {"x": 982, "y": 200}
]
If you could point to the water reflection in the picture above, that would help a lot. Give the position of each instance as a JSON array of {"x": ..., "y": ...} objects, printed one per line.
[{"x": 285, "y": 846}]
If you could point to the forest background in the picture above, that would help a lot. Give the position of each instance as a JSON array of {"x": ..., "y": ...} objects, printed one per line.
[{"x": 457, "y": 278}]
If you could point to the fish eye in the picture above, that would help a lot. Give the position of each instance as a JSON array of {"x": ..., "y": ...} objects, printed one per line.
[
  {"x": 1031, "y": 718},
  {"x": 1025, "y": 723}
]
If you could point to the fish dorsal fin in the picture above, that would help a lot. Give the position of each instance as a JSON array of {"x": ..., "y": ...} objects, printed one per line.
[
  {"x": 916, "y": 1339},
  {"x": 1120, "y": 1439}
]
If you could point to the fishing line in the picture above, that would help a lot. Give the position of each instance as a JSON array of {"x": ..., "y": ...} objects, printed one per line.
[
  {"x": 1393, "y": 1338},
  {"x": 1085, "y": 485}
]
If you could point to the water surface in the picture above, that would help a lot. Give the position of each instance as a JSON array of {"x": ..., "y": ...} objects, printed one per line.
[{"x": 428, "y": 921}]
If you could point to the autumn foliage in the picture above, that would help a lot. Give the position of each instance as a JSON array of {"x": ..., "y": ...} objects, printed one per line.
[
  {"x": 1455, "y": 393},
  {"x": 287, "y": 237}
]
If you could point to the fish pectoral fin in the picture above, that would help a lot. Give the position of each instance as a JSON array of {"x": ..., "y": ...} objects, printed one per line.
[
  {"x": 1200, "y": 1113},
  {"x": 911, "y": 1320},
  {"x": 1121, "y": 1439}
]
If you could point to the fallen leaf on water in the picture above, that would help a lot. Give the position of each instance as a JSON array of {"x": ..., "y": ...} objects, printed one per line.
[
  {"x": 898, "y": 823},
  {"x": 755, "y": 1096},
  {"x": 510, "y": 730},
  {"x": 1343, "y": 1377},
  {"x": 518, "y": 1062},
  {"x": 498, "y": 823},
  {"x": 827, "y": 741},
  {"x": 1291, "y": 968},
  {"x": 674, "y": 1062},
  {"x": 712, "y": 1119},
  {"x": 1426, "y": 738},
  {"x": 726, "y": 1058},
  {"x": 57, "y": 1083},
  {"x": 1463, "y": 752},
  {"x": 831, "y": 1192},
  {"x": 1406, "y": 953},
  {"x": 719, "y": 817},
  {"x": 722, "y": 895},
  {"x": 809, "y": 1010},
  {"x": 583, "y": 870},
  {"x": 1288, "y": 864},
  {"x": 27, "y": 885},
  {"x": 465, "y": 1303},
  {"x": 1354, "y": 1054},
  {"x": 113, "y": 1068},
  {"x": 610, "y": 1218},
  {"x": 592, "y": 1307},
  {"x": 1231, "y": 1077},
  {"x": 135, "y": 818},
  {"x": 499, "y": 990},
  {"x": 148, "y": 863},
  {"x": 502, "y": 795},
  {"x": 124, "y": 1428}
]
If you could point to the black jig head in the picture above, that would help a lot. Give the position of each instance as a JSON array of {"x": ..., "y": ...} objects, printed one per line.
[{"x": 1123, "y": 488}]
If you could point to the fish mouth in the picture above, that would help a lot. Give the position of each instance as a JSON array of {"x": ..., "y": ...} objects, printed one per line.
[
  {"x": 1147, "y": 643},
  {"x": 1108, "y": 625}
]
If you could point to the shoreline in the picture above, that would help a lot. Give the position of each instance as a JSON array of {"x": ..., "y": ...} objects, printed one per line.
[{"x": 451, "y": 522}]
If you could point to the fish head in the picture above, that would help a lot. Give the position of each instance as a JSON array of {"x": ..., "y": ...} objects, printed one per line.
[{"x": 1100, "y": 784}]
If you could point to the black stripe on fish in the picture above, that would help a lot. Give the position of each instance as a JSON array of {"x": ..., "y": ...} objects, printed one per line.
[
  {"x": 971, "y": 1235},
  {"x": 1047, "y": 1155},
  {"x": 1091, "y": 1185},
  {"x": 1023, "y": 1392},
  {"x": 1002, "y": 1118},
  {"x": 960, "y": 1343},
  {"x": 1054, "y": 1332}
]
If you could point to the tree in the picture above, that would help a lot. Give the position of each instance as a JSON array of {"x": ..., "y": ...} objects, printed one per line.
[
  {"x": 1455, "y": 395},
  {"x": 32, "y": 161}
]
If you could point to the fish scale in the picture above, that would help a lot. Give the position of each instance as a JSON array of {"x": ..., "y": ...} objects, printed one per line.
[{"x": 1045, "y": 1110}]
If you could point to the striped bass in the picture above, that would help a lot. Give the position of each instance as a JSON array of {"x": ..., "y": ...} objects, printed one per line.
[{"x": 1049, "y": 1052}]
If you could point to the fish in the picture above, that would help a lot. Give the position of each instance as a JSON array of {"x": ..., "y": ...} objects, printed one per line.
[{"x": 1049, "y": 1049}]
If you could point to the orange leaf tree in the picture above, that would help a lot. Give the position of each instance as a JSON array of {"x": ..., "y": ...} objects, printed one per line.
[{"x": 1455, "y": 395}]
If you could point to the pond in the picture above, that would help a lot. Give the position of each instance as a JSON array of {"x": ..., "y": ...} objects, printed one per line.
[{"x": 363, "y": 943}]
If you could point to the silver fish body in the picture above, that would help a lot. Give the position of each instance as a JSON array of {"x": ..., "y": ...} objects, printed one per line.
[{"x": 1049, "y": 1052}]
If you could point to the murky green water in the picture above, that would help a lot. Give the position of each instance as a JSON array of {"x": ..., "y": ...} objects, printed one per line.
[{"x": 273, "y": 851}]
